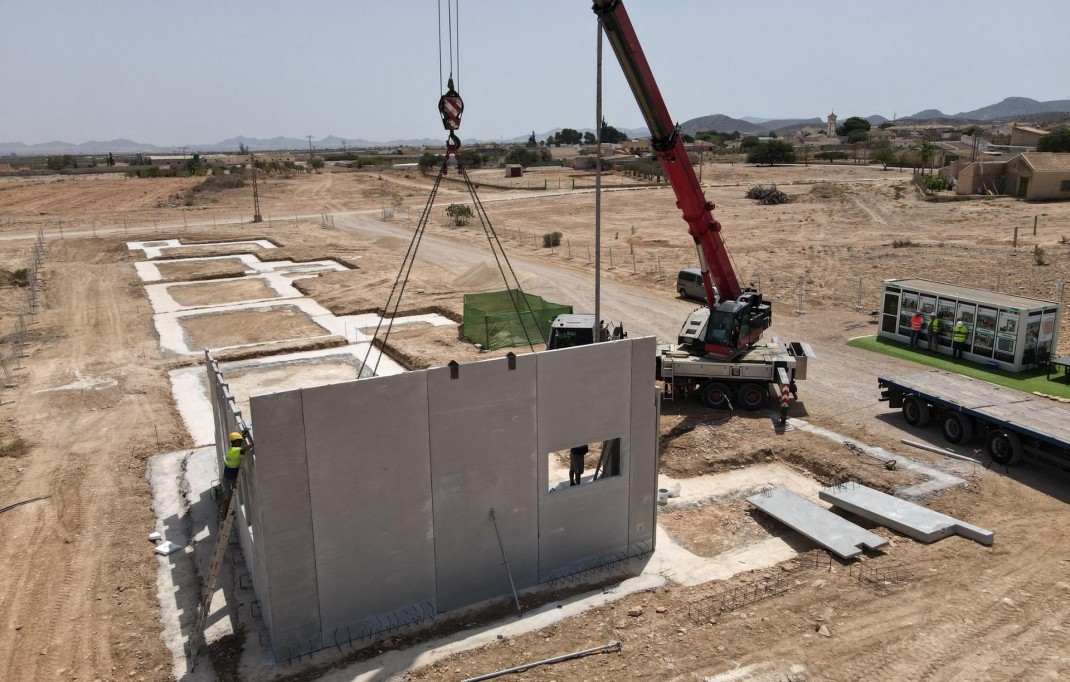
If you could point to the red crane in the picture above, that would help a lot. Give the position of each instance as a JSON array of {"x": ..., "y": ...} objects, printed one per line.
[{"x": 735, "y": 316}]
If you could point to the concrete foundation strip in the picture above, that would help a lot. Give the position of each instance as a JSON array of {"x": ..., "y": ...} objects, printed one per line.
[{"x": 604, "y": 649}]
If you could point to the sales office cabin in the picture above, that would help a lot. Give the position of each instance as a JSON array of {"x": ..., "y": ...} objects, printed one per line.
[{"x": 1005, "y": 331}]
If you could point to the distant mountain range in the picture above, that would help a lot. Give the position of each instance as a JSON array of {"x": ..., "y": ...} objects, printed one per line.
[{"x": 1012, "y": 108}]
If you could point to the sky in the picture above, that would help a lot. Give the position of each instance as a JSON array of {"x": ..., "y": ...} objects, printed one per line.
[{"x": 200, "y": 71}]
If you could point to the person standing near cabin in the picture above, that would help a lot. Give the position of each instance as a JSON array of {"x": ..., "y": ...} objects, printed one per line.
[
  {"x": 915, "y": 328},
  {"x": 958, "y": 336},
  {"x": 934, "y": 333}
]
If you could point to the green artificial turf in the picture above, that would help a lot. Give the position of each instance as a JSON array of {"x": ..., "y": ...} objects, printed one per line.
[{"x": 1028, "y": 381}]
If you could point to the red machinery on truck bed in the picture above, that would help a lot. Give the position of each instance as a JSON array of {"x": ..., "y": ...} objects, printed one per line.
[{"x": 719, "y": 353}]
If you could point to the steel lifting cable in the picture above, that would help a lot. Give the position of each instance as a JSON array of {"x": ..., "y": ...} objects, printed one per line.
[{"x": 492, "y": 239}]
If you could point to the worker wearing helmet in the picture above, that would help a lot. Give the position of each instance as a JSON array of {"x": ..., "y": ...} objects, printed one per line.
[{"x": 231, "y": 463}]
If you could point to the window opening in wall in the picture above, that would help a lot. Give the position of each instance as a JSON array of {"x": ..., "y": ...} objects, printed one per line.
[{"x": 583, "y": 464}]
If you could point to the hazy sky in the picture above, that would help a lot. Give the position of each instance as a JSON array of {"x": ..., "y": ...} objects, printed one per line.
[{"x": 199, "y": 71}]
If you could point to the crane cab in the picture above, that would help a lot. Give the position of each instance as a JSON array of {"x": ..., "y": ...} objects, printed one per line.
[{"x": 729, "y": 328}]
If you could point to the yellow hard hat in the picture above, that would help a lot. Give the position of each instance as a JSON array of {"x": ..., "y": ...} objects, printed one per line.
[{"x": 234, "y": 435}]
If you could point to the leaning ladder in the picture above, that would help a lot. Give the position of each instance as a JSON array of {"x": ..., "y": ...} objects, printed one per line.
[{"x": 222, "y": 539}]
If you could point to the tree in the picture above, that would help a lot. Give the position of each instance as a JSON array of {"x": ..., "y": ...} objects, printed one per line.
[
  {"x": 711, "y": 137},
  {"x": 588, "y": 137},
  {"x": 521, "y": 155},
  {"x": 856, "y": 136},
  {"x": 772, "y": 152},
  {"x": 831, "y": 155},
  {"x": 243, "y": 149},
  {"x": 1059, "y": 141},
  {"x": 472, "y": 159},
  {"x": 884, "y": 154},
  {"x": 886, "y": 125},
  {"x": 429, "y": 161},
  {"x": 689, "y": 139},
  {"x": 749, "y": 142},
  {"x": 316, "y": 163},
  {"x": 531, "y": 140},
  {"x": 568, "y": 136},
  {"x": 460, "y": 213},
  {"x": 925, "y": 152},
  {"x": 111, "y": 159},
  {"x": 852, "y": 124},
  {"x": 611, "y": 135}
]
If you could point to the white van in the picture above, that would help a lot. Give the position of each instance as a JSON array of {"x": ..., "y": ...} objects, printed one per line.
[{"x": 689, "y": 284}]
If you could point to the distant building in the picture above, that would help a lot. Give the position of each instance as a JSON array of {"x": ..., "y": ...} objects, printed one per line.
[
  {"x": 1025, "y": 136},
  {"x": 1029, "y": 175},
  {"x": 170, "y": 160},
  {"x": 830, "y": 131}
]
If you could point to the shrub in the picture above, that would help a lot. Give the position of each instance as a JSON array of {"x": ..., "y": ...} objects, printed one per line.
[
  {"x": 461, "y": 214},
  {"x": 217, "y": 183},
  {"x": 551, "y": 239},
  {"x": 768, "y": 196},
  {"x": 1038, "y": 255},
  {"x": 903, "y": 243}
]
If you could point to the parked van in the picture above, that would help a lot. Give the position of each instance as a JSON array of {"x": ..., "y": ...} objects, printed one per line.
[{"x": 689, "y": 284}]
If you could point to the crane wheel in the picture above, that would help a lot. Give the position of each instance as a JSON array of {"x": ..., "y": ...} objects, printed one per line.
[
  {"x": 957, "y": 428},
  {"x": 916, "y": 411},
  {"x": 716, "y": 395},
  {"x": 1004, "y": 447},
  {"x": 752, "y": 396}
]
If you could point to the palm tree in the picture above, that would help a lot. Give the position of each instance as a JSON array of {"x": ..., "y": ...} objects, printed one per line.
[{"x": 925, "y": 153}]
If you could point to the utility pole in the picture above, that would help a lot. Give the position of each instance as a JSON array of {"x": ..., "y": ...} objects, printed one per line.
[
  {"x": 257, "y": 218},
  {"x": 309, "y": 147}
]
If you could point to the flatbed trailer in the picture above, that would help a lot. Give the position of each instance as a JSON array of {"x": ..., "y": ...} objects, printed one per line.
[{"x": 1013, "y": 425}]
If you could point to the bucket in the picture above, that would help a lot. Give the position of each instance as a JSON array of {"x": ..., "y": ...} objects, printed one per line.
[{"x": 663, "y": 496}]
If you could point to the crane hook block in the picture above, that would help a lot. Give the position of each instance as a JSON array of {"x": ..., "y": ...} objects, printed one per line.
[{"x": 450, "y": 107}]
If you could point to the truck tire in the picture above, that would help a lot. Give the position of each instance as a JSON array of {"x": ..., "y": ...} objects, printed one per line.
[
  {"x": 958, "y": 428},
  {"x": 716, "y": 395},
  {"x": 1004, "y": 447},
  {"x": 916, "y": 411},
  {"x": 752, "y": 396}
]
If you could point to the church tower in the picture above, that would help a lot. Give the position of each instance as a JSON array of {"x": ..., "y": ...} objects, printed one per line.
[{"x": 831, "y": 130}]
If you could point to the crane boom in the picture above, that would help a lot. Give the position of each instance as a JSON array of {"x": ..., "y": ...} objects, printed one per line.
[{"x": 737, "y": 316}]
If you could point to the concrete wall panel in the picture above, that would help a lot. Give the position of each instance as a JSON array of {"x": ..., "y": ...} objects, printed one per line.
[
  {"x": 370, "y": 478},
  {"x": 284, "y": 544},
  {"x": 644, "y": 439},
  {"x": 581, "y": 392},
  {"x": 581, "y": 527},
  {"x": 482, "y": 427}
]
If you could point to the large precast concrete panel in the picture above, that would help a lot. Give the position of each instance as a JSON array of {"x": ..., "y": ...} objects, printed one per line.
[
  {"x": 482, "y": 427},
  {"x": 370, "y": 479},
  {"x": 287, "y": 552},
  {"x": 643, "y": 439},
  {"x": 581, "y": 392}
]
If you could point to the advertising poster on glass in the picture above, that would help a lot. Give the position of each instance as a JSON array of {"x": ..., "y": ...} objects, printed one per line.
[
  {"x": 946, "y": 311},
  {"x": 1047, "y": 331},
  {"x": 928, "y": 305},
  {"x": 1032, "y": 332},
  {"x": 984, "y": 332},
  {"x": 1006, "y": 335}
]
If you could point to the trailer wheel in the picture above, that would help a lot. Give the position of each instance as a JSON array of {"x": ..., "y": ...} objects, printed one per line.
[
  {"x": 1004, "y": 447},
  {"x": 957, "y": 428},
  {"x": 752, "y": 396},
  {"x": 916, "y": 411},
  {"x": 716, "y": 395}
]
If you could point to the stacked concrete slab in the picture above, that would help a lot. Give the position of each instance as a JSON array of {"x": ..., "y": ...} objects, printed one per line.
[
  {"x": 370, "y": 502},
  {"x": 905, "y": 517}
]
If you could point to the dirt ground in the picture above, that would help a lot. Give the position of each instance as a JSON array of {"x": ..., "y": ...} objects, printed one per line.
[
  {"x": 77, "y": 577},
  {"x": 221, "y": 292},
  {"x": 213, "y": 330}
]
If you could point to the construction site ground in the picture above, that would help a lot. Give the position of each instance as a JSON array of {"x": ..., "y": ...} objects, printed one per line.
[{"x": 92, "y": 402}]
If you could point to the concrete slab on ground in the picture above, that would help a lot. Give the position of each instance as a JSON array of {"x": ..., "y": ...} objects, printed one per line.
[
  {"x": 835, "y": 533},
  {"x": 904, "y": 517}
]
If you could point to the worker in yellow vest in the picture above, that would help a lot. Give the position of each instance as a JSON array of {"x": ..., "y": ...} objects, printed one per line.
[
  {"x": 958, "y": 337},
  {"x": 231, "y": 464}
]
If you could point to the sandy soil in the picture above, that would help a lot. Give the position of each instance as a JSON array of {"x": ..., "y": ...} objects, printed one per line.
[
  {"x": 209, "y": 269},
  {"x": 221, "y": 292},
  {"x": 77, "y": 581},
  {"x": 257, "y": 380},
  {"x": 213, "y": 330}
]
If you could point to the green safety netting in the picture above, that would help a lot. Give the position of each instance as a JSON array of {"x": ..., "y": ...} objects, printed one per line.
[{"x": 491, "y": 320}]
